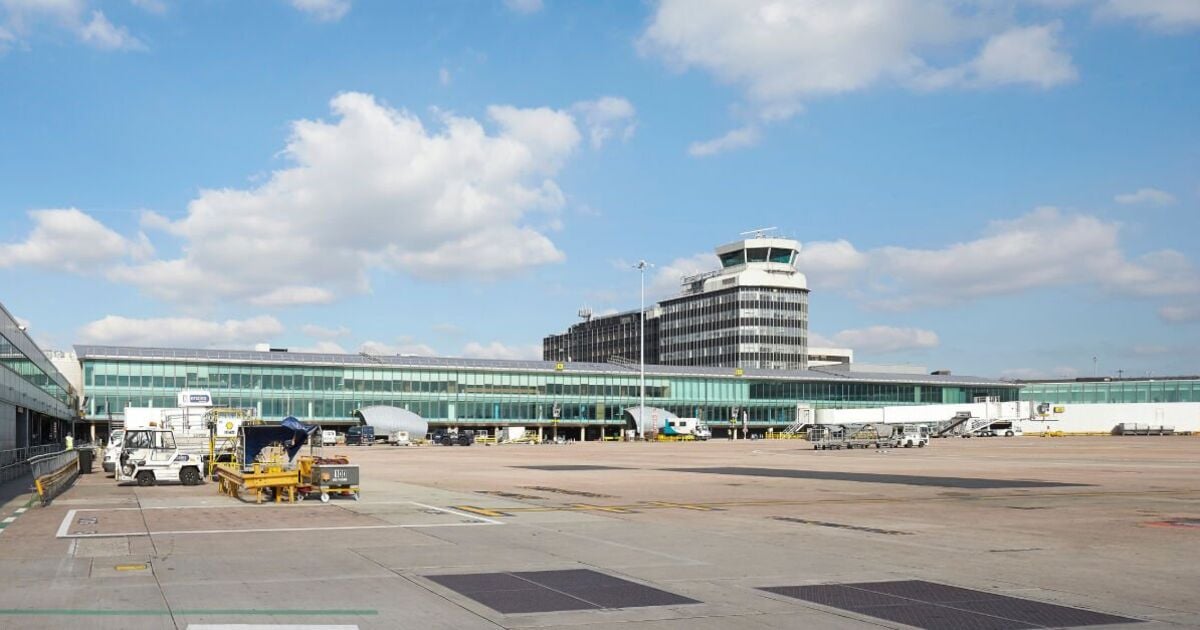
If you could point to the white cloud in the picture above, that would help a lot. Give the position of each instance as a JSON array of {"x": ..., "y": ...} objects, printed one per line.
[
  {"x": 1146, "y": 196},
  {"x": 1163, "y": 15},
  {"x": 323, "y": 10},
  {"x": 782, "y": 53},
  {"x": 830, "y": 263},
  {"x": 323, "y": 332},
  {"x": 444, "y": 77},
  {"x": 886, "y": 339},
  {"x": 293, "y": 296},
  {"x": 448, "y": 329},
  {"x": 374, "y": 189},
  {"x": 524, "y": 6},
  {"x": 23, "y": 17},
  {"x": 664, "y": 280},
  {"x": 100, "y": 33},
  {"x": 70, "y": 240},
  {"x": 1177, "y": 314},
  {"x": 607, "y": 117},
  {"x": 739, "y": 138},
  {"x": 1029, "y": 54},
  {"x": 180, "y": 331},
  {"x": 1044, "y": 248},
  {"x": 403, "y": 346},
  {"x": 497, "y": 350}
]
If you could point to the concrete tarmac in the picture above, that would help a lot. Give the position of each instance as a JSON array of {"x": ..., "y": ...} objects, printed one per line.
[{"x": 1107, "y": 525}]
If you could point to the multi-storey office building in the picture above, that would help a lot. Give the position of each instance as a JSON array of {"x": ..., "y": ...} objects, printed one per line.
[
  {"x": 606, "y": 338},
  {"x": 591, "y": 398},
  {"x": 37, "y": 404},
  {"x": 1113, "y": 390},
  {"x": 750, "y": 313}
]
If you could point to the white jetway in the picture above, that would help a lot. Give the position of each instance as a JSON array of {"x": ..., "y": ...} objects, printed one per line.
[{"x": 958, "y": 419}]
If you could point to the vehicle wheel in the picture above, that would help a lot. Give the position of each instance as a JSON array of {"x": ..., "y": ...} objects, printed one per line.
[
  {"x": 324, "y": 497},
  {"x": 908, "y": 445},
  {"x": 145, "y": 478},
  {"x": 1008, "y": 434},
  {"x": 920, "y": 445},
  {"x": 355, "y": 496},
  {"x": 300, "y": 496},
  {"x": 189, "y": 477}
]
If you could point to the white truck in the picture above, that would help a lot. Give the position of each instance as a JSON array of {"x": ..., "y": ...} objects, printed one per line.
[
  {"x": 399, "y": 438},
  {"x": 112, "y": 450},
  {"x": 328, "y": 438},
  {"x": 909, "y": 435},
  {"x": 150, "y": 456}
]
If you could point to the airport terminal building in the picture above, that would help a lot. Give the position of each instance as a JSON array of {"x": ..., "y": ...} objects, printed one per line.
[
  {"x": 37, "y": 404},
  {"x": 591, "y": 398},
  {"x": 1098, "y": 390}
]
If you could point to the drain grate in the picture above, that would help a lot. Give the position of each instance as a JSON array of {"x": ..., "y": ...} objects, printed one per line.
[
  {"x": 936, "y": 606},
  {"x": 553, "y": 591}
]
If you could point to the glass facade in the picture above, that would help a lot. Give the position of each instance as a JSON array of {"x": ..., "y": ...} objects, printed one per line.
[
  {"x": 26, "y": 368},
  {"x": 484, "y": 393},
  {"x": 1172, "y": 389}
]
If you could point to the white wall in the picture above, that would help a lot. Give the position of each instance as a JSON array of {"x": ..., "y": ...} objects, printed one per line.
[{"x": 1103, "y": 417}]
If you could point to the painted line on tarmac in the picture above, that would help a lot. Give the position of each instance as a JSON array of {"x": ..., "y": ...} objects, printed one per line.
[
  {"x": 256, "y": 612},
  {"x": 4, "y": 523},
  {"x": 64, "y": 528}
]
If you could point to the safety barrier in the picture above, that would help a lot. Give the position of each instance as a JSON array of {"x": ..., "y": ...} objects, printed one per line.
[
  {"x": 54, "y": 473},
  {"x": 803, "y": 435},
  {"x": 14, "y": 461}
]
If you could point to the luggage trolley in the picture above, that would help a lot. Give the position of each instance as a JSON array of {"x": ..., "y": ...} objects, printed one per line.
[{"x": 328, "y": 476}]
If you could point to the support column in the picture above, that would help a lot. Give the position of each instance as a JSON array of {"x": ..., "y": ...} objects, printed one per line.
[{"x": 582, "y": 434}]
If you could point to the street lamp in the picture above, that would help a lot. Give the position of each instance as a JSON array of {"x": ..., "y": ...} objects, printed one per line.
[{"x": 641, "y": 267}]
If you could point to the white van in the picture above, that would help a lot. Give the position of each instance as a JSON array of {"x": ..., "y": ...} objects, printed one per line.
[{"x": 328, "y": 438}]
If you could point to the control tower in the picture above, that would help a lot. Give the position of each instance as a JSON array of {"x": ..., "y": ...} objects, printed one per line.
[{"x": 750, "y": 313}]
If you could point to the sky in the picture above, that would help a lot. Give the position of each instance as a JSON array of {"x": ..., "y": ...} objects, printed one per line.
[{"x": 1006, "y": 188}]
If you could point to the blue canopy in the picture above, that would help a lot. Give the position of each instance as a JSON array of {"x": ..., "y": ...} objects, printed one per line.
[{"x": 291, "y": 434}]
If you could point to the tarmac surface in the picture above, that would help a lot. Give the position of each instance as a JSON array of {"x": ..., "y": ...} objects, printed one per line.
[{"x": 985, "y": 533}]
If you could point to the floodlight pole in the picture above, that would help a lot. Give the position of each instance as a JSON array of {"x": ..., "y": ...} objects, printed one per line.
[{"x": 641, "y": 267}]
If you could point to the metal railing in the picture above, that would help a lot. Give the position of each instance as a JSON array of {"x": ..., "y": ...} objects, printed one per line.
[
  {"x": 53, "y": 473},
  {"x": 14, "y": 461}
]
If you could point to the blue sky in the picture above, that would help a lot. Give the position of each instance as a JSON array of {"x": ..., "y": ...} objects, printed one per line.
[{"x": 1004, "y": 188}]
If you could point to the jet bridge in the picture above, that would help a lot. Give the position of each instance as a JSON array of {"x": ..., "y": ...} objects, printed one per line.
[{"x": 944, "y": 420}]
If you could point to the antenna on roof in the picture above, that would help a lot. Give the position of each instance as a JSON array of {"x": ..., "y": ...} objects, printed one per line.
[{"x": 760, "y": 232}]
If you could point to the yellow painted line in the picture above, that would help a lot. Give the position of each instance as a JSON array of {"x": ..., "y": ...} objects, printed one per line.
[
  {"x": 479, "y": 511},
  {"x": 615, "y": 509},
  {"x": 683, "y": 506},
  {"x": 130, "y": 567}
]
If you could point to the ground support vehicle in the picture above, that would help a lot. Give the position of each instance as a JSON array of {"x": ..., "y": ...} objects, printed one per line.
[
  {"x": 327, "y": 476},
  {"x": 328, "y": 438},
  {"x": 112, "y": 451},
  {"x": 399, "y": 438},
  {"x": 909, "y": 435},
  {"x": 266, "y": 481},
  {"x": 449, "y": 438},
  {"x": 150, "y": 456},
  {"x": 264, "y": 460},
  {"x": 361, "y": 435}
]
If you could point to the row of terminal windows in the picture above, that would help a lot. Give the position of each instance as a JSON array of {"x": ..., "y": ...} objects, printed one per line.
[
  {"x": 1118, "y": 392},
  {"x": 12, "y": 357}
]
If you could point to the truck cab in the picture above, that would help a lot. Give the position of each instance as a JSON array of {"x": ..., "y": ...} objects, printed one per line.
[
  {"x": 112, "y": 450},
  {"x": 149, "y": 456}
]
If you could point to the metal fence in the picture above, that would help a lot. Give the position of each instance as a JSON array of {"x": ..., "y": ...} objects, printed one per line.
[
  {"x": 53, "y": 473},
  {"x": 14, "y": 463}
]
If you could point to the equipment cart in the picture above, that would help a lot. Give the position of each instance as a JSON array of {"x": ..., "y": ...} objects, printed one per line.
[{"x": 328, "y": 476}]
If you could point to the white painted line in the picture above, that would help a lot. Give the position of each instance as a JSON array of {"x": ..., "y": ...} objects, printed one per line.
[
  {"x": 9, "y": 519},
  {"x": 64, "y": 528},
  {"x": 268, "y": 627},
  {"x": 66, "y": 524},
  {"x": 21, "y": 510},
  {"x": 278, "y": 529},
  {"x": 74, "y": 546},
  {"x": 457, "y": 513}
]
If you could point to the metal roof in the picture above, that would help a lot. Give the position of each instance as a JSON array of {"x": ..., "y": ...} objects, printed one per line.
[{"x": 86, "y": 352}]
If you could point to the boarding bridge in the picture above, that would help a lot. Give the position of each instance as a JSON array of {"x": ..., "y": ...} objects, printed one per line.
[
  {"x": 944, "y": 419},
  {"x": 804, "y": 420}
]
